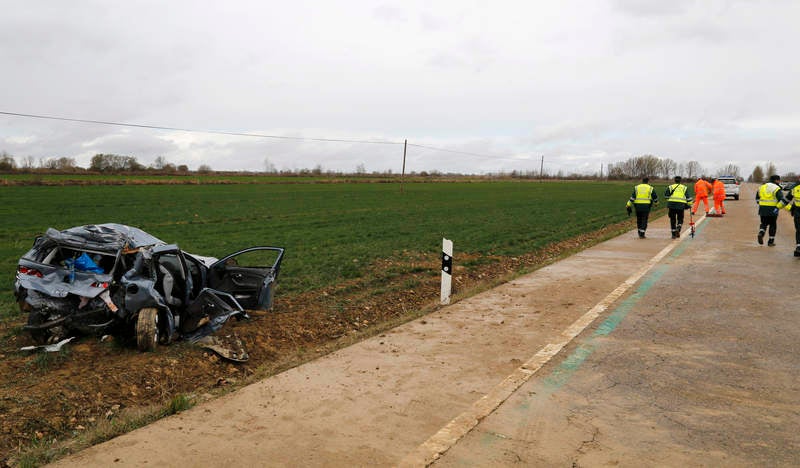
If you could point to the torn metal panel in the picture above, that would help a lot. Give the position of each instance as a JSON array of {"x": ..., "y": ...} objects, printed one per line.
[
  {"x": 228, "y": 347},
  {"x": 51, "y": 348},
  {"x": 209, "y": 313}
]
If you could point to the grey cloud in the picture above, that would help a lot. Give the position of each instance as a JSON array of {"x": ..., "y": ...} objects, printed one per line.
[
  {"x": 581, "y": 84},
  {"x": 652, "y": 7},
  {"x": 390, "y": 13}
]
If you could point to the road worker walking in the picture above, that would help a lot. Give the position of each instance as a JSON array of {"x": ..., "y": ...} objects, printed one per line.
[
  {"x": 701, "y": 191},
  {"x": 768, "y": 197},
  {"x": 644, "y": 196},
  {"x": 677, "y": 203},
  {"x": 718, "y": 189},
  {"x": 793, "y": 206}
]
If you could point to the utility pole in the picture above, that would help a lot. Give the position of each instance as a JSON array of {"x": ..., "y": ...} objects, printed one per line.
[
  {"x": 403, "y": 172},
  {"x": 541, "y": 169}
]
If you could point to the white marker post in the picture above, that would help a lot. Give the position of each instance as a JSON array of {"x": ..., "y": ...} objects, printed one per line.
[{"x": 447, "y": 270}]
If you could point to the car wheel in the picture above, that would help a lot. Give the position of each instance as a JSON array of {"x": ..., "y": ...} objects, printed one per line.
[
  {"x": 736, "y": 197},
  {"x": 147, "y": 329}
]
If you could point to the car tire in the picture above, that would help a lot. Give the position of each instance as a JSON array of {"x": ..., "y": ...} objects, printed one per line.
[
  {"x": 736, "y": 197},
  {"x": 147, "y": 329}
]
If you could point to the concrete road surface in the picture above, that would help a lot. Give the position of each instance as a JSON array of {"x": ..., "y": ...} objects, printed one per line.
[{"x": 653, "y": 352}]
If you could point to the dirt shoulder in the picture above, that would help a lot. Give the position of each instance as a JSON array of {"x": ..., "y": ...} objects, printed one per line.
[{"x": 686, "y": 376}]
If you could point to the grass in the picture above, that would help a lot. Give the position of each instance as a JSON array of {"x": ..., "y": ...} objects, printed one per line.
[
  {"x": 43, "y": 361},
  {"x": 330, "y": 231}
]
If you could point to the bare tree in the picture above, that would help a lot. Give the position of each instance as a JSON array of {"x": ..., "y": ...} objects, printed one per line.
[
  {"x": 28, "y": 162},
  {"x": 269, "y": 167},
  {"x": 729, "y": 169},
  {"x": 693, "y": 169},
  {"x": 668, "y": 168},
  {"x": 160, "y": 162}
]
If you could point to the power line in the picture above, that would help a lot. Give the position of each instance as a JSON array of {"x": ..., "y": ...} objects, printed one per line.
[
  {"x": 158, "y": 127},
  {"x": 279, "y": 137},
  {"x": 507, "y": 158}
]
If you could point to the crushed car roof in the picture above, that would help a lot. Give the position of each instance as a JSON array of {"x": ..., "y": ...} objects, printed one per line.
[{"x": 103, "y": 236}]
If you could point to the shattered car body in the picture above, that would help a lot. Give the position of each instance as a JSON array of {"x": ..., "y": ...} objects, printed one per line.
[{"x": 111, "y": 279}]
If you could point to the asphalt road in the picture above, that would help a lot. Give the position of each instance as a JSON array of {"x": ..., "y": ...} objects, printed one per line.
[{"x": 653, "y": 352}]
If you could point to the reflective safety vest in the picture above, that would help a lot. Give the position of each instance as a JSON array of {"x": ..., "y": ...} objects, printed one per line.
[
  {"x": 644, "y": 194},
  {"x": 795, "y": 199},
  {"x": 677, "y": 193},
  {"x": 766, "y": 194}
]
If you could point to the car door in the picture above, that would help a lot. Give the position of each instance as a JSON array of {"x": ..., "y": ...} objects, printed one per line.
[{"x": 249, "y": 275}]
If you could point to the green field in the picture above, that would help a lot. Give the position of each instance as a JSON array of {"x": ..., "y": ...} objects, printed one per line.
[{"x": 330, "y": 231}]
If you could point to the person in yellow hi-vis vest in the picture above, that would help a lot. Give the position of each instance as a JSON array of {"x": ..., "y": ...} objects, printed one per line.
[
  {"x": 643, "y": 198},
  {"x": 677, "y": 202},
  {"x": 768, "y": 197},
  {"x": 792, "y": 205}
]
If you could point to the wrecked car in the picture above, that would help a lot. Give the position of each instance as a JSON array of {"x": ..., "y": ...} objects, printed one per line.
[{"x": 117, "y": 279}]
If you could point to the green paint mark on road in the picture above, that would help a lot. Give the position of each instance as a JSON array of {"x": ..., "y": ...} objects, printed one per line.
[{"x": 572, "y": 363}]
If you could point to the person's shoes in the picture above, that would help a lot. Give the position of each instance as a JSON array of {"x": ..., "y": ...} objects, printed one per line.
[
  {"x": 641, "y": 235},
  {"x": 771, "y": 243},
  {"x": 761, "y": 238}
]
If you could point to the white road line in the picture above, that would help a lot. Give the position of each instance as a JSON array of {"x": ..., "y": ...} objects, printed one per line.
[{"x": 440, "y": 442}]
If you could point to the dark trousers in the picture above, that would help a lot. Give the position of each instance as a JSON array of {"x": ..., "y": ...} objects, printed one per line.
[
  {"x": 641, "y": 219},
  {"x": 770, "y": 222},
  {"x": 675, "y": 220},
  {"x": 797, "y": 230}
]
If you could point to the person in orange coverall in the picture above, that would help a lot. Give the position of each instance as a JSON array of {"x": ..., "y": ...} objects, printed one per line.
[
  {"x": 701, "y": 191},
  {"x": 719, "y": 196}
]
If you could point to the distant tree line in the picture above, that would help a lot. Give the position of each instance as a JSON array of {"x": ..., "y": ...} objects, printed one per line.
[
  {"x": 104, "y": 163},
  {"x": 762, "y": 175},
  {"x": 665, "y": 168},
  {"x": 633, "y": 168}
]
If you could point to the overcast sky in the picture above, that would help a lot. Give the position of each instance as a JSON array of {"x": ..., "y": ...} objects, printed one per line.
[{"x": 581, "y": 83}]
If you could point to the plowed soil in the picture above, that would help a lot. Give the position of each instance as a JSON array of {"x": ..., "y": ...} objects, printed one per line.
[{"x": 59, "y": 397}]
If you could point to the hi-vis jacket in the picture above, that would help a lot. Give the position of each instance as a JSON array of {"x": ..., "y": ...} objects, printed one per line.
[
  {"x": 676, "y": 197},
  {"x": 701, "y": 188},
  {"x": 768, "y": 196},
  {"x": 719, "y": 190},
  {"x": 792, "y": 203},
  {"x": 643, "y": 197}
]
